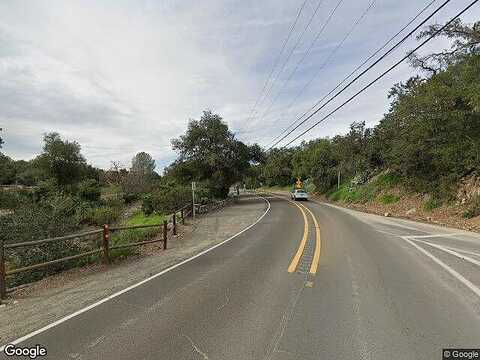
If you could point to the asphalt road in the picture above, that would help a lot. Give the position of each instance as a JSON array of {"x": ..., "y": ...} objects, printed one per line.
[{"x": 383, "y": 289}]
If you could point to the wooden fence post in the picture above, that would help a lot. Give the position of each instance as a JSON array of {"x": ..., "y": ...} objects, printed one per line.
[
  {"x": 106, "y": 238},
  {"x": 165, "y": 234},
  {"x": 174, "y": 220},
  {"x": 3, "y": 281},
  {"x": 183, "y": 216}
]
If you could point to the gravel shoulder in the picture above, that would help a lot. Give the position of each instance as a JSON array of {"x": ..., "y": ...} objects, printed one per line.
[{"x": 57, "y": 296}]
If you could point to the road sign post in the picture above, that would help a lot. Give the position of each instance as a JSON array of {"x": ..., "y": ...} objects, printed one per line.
[
  {"x": 3, "y": 281},
  {"x": 174, "y": 222},
  {"x": 165, "y": 234},
  {"x": 194, "y": 187},
  {"x": 105, "y": 243}
]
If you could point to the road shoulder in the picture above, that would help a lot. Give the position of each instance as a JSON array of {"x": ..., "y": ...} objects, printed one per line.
[{"x": 57, "y": 296}]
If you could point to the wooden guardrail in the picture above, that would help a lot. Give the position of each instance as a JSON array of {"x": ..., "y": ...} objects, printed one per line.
[{"x": 169, "y": 228}]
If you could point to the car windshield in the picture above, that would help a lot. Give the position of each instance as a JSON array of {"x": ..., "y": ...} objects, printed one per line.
[{"x": 300, "y": 191}]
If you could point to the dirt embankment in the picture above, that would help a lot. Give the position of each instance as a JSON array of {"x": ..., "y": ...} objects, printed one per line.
[{"x": 413, "y": 206}]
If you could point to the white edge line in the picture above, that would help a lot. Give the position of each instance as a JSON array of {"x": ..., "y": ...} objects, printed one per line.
[
  {"x": 451, "y": 252},
  {"x": 85, "y": 309},
  {"x": 462, "y": 251},
  {"x": 455, "y": 274},
  {"x": 433, "y": 236}
]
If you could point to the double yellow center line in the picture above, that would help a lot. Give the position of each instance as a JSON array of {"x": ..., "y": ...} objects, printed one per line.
[{"x": 316, "y": 255}]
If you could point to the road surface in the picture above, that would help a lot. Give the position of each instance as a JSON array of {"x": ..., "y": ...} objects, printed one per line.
[{"x": 352, "y": 286}]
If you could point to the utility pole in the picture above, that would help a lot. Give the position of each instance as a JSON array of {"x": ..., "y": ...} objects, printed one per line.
[
  {"x": 338, "y": 179},
  {"x": 194, "y": 186}
]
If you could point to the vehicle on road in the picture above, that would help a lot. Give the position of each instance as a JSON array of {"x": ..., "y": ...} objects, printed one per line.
[{"x": 299, "y": 194}]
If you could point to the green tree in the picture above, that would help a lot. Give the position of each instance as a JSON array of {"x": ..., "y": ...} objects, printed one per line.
[
  {"x": 278, "y": 169},
  {"x": 143, "y": 164},
  {"x": 466, "y": 42},
  {"x": 352, "y": 150},
  {"x": 316, "y": 160},
  {"x": 89, "y": 190},
  {"x": 61, "y": 159},
  {"x": 209, "y": 152},
  {"x": 7, "y": 170},
  {"x": 433, "y": 127}
]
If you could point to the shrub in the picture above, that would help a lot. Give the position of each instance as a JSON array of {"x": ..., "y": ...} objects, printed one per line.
[
  {"x": 389, "y": 179},
  {"x": 388, "y": 199},
  {"x": 324, "y": 179},
  {"x": 45, "y": 190},
  {"x": 89, "y": 190},
  {"x": 354, "y": 194},
  {"x": 147, "y": 204},
  {"x": 113, "y": 202},
  {"x": 103, "y": 215},
  {"x": 473, "y": 209},
  {"x": 11, "y": 199},
  {"x": 168, "y": 198},
  {"x": 431, "y": 203},
  {"x": 36, "y": 221},
  {"x": 130, "y": 197},
  {"x": 340, "y": 194}
]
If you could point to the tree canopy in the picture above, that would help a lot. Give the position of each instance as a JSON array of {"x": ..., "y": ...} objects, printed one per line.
[
  {"x": 208, "y": 152},
  {"x": 61, "y": 159},
  {"x": 430, "y": 135},
  {"x": 143, "y": 163}
]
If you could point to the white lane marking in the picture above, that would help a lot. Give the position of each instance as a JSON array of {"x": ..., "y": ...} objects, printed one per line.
[
  {"x": 386, "y": 232},
  {"x": 452, "y": 272},
  {"x": 433, "y": 236},
  {"x": 286, "y": 317},
  {"x": 196, "y": 348},
  {"x": 463, "y": 251},
  {"x": 227, "y": 300},
  {"x": 451, "y": 252},
  {"x": 97, "y": 341},
  {"x": 400, "y": 222},
  {"x": 85, "y": 309}
]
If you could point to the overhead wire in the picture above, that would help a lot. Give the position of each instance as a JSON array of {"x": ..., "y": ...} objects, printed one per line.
[
  {"x": 292, "y": 50},
  {"x": 382, "y": 75},
  {"x": 292, "y": 27},
  {"x": 358, "y": 76},
  {"x": 305, "y": 55},
  {"x": 329, "y": 57}
]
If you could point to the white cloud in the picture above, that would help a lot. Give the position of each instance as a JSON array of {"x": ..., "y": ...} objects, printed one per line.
[{"x": 126, "y": 76}]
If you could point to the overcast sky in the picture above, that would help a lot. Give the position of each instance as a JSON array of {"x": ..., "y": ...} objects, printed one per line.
[{"x": 126, "y": 76}]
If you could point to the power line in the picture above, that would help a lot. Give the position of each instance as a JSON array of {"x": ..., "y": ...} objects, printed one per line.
[
  {"x": 359, "y": 75},
  {"x": 305, "y": 55},
  {"x": 291, "y": 51},
  {"x": 382, "y": 75},
  {"x": 278, "y": 57},
  {"x": 332, "y": 53}
]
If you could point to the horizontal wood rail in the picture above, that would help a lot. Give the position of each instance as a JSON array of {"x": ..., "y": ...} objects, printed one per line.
[
  {"x": 55, "y": 239},
  {"x": 169, "y": 229}
]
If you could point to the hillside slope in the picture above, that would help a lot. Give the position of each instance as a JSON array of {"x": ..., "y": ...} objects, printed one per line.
[{"x": 384, "y": 195}]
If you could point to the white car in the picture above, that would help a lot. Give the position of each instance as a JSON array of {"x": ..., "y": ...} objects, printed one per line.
[{"x": 299, "y": 194}]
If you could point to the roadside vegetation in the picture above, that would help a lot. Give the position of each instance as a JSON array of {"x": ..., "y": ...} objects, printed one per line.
[
  {"x": 427, "y": 142},
  {"x": 58, "y": 193}
]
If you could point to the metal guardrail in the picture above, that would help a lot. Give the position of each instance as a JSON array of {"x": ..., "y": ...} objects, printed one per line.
[{"x": 169, "y": 227}]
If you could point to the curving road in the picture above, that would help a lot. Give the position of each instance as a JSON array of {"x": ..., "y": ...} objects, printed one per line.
[{"x": 352, "y": 286}]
